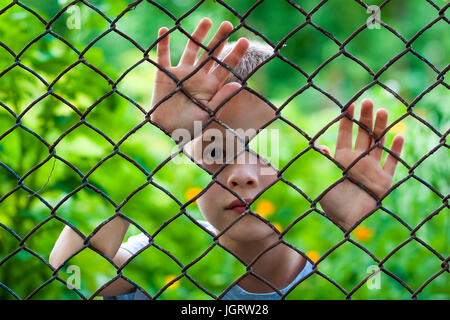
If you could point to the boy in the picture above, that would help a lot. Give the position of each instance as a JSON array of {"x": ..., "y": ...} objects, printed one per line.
[{"x": 275, "y": 267}]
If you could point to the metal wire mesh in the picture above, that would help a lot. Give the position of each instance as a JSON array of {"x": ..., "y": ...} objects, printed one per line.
[{"x": 440, "y": 80}]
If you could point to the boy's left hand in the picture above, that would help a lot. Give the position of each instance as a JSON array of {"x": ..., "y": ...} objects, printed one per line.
[{"x": 346, "y": 203}]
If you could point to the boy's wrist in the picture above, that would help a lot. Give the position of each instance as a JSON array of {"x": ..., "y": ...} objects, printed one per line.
[{"x": 345, "y": 222}]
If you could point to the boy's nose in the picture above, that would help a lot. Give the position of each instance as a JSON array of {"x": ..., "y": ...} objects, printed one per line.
[{"x": 243, "y": 176}]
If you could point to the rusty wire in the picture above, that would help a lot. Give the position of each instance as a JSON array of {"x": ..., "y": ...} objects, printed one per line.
[{"x": 440, "y": 77}]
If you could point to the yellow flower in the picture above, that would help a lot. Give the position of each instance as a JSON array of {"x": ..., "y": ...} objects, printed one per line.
[
  {"x": 174, "y": 285},
  {"x": 265, "y": 208},
  {"x": 278, "y": 227},
  {"x": 192, "y": 192},
  {"x": 313, "y": 255},
  {"x": 399, "y": 128},
  {"x": 363, "y": 233}
]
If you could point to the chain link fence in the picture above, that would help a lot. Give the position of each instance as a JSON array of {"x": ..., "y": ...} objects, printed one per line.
[{"x": 296, "y": 6}]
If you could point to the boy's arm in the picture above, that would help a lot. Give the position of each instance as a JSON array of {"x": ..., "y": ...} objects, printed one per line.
[
  {"x": 347, "y": 203},
  {"x": 67, "y": 244},
  {"x": 205, "y": 85},
  {"x": 107, "y": 240}
]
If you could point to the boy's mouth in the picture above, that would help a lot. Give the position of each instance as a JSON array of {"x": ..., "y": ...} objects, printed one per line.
[{"x": 237, "y": 205}]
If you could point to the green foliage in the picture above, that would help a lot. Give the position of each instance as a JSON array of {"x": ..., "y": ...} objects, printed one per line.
[{"x": 56, "y": 119}]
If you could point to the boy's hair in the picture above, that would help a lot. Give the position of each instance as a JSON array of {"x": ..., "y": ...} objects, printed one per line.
[{"x": 256, "y": 54}]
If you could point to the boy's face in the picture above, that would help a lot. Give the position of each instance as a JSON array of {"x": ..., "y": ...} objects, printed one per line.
[{"x": 247, "y": 175}]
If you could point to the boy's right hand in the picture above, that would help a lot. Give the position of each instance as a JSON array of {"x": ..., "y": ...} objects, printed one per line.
[{"x": 206, "y": 85}]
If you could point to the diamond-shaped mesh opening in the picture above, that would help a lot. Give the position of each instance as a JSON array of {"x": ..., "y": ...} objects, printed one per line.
[
  {"x": 380, "y": 287},
  {"x": 33, "y": 88},
  {"x": 357, "y": 260},
  {"x": 113, "y": 50},
  {"x": 422, "y": 195},
  {"x": 27, "y": 262},
  {"x": 350, "y": 18},
  {"x": 49, "y": 56},
  {"x": 304, "y": 230},
  {"x": 155, "y": 261},
  {"x": 180, "y": 170},
  {"x": 159, "y": 207},
  {"x": 400, "y": 267},
  {"x": 428, "y": 109},
  {"x": 26, "y": 27},
  {"x": 149, "y": 153},
  {"x": 424, "y": 11},
  {"x": 144, "y": 36},
  {"x": 325, "y": 172},
  {"x": 380, "y": 233},
  {"x": 298, "y": 48},
  {"x": 83, "y": 147},
  {"x": 174, "y": 291},
  {"x": 73, "y": 18},
  {"x": 435, "y": 51},
  {"x": 304, "y": 102},
  {"x": 420, "y": 77},
  {"x": 34, "y": 213},
  {"x": 47, "y": 226},
  {"x": 50, "y": 118},
  {"x": 82, "y": 203},
  {"x": 343, "y": 73},
  {"x": 430, "y": 233},
  {"x": 130, "y": 85},
  {"x": 285, "y": 22},
  {"x": 325, "y": 289},
  {"x": 210, "y": 274},
  {"x": 94, "y": 271},
  {"x": 119, "y": 170},
  {"x": 45, "y": 10},
  {"x": 365, "y": 43},
  {"x": 82, "y": 77},
  {"x": 278, "y": 67},
  {"x": 436, "y": 289},
  {"x": 54, "y": 290},
  {"x": 174, "y": 241},
  {"x": 14, "y": 157},
  {"x": 53, "y": 179}
]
